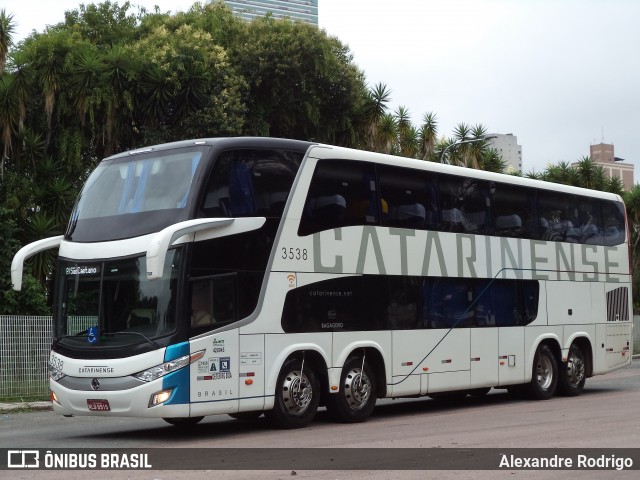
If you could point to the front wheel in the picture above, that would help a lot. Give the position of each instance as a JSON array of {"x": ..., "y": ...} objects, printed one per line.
[
  {"x": 544, "y": 378},
  {"x": 297, "y": 396},
  {"x": 356, "y": 397},
  {"x": 573, "y": 375}
]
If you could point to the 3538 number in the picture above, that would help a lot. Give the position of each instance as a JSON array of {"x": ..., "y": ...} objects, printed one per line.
[{"x": 294, "y": 253}]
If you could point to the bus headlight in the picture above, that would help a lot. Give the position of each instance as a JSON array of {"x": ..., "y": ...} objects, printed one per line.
[
  {"x": 160, "y": 397},
  {"x": 160, "y": 371},
  {"x": 54, "y": 373}
]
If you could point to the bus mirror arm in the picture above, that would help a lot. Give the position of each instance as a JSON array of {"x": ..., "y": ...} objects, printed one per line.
[
  {"x": 17, "y": 265},
  {"x": 162, "y": 240}
]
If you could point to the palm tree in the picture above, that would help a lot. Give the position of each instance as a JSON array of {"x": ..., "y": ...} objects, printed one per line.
[
  {"x": 375, "y": 108},
  {"x": 403, "y": 123},
  {"x": 386, "y": 134},
  {"x": 7, "y": 27},
  {"x": 476, "y": 150},
  {"x": 491, "y": 161},
  {"x": 427, "y": 136},
  {"x": 51, "y": 72},
  {"x": 410, "y": 146},
  {"x": 121, "y": 70},
  {"x": 614, "y": 185},
  {"x": 586, "y": 170},
  {"x": 9, "y": 116}
]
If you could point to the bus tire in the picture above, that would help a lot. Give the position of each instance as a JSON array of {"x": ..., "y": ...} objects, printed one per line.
[
  {"x": 572, "y": 375},
  {"x": 356, "y": 397},
  {"x": 297, "y": 396},
  {"x": 544, "y": 376},
  {"x": 183, "y": 422}
]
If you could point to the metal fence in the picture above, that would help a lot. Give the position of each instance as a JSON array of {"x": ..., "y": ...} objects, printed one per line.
[{"x": 24, "y": 353}]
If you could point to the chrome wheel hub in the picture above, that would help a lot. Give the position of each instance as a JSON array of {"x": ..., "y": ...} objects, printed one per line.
[
  {"x": 357, "y": 389},
  {"x": 296, "y": 392},
  {"x": 545, "y": 372}
]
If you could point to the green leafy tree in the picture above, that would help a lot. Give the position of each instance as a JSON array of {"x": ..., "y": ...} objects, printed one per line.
[
  {"x": 31, "y": 299},
  {"x": 302, "y": 83}
]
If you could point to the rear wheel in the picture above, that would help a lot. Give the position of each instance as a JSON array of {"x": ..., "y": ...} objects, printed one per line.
[
  {"x": 297, "y": 396},
  {"x": 544, "y": 378},
  {"x": 572, "y": 375},
  {"x": 183, "y": 421},
  {"x": 356, "y": 397}
]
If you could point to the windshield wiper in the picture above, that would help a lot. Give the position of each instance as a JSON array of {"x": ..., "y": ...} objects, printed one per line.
[
  {"x": 74, "y": 336},
  {"x": 113, "y": 334},
  {"x": 110, "y": 334}
]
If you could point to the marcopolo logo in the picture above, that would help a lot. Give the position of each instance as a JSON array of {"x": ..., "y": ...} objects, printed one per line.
[{"x": 23, "y": 459}]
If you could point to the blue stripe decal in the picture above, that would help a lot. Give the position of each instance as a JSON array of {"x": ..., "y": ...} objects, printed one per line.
[
  {"x": 176, "y": 351},
  {"x": 179, "y": 380}
]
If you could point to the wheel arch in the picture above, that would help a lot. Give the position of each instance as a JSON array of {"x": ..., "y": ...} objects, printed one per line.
[
  {"x": 582, "y": 341},
  {"x": 313, "y": 356},
  {"x": 553, "y": 342},
  {"x": 374, "y": 357}
]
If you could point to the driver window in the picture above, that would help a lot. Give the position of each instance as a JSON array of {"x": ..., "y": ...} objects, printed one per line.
[
  {"x": 213, "y": 300},
  {"x": 202, "y": 303}
]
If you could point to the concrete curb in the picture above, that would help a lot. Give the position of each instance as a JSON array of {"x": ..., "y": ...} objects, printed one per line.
[{"x": 30, "y": 406}]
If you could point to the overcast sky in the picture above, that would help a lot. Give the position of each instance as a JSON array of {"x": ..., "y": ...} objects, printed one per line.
[{"x": 558, "y": 74}]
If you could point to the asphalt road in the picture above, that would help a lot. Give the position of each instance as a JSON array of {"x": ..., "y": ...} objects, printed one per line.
[{"x": 605, "y": 416}]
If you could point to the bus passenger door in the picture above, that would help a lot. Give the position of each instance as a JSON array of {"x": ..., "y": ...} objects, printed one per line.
[{"x": 214, "y": 378}]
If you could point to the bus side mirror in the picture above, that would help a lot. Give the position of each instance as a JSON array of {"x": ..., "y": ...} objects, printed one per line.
[{"x": 17, "y": 265}]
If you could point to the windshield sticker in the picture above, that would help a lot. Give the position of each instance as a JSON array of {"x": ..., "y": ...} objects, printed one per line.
[{"x": 92, "y": 334}]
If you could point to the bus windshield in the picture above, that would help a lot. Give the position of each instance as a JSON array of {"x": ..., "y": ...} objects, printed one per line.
[
  {"x": 112, "y": 303},
  {"x": 130, "y": 196}
]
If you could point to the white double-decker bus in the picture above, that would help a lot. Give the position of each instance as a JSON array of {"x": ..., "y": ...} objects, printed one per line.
[{"x": 247, "y": 275}]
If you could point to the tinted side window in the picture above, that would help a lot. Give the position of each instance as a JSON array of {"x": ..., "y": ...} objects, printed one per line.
[
  {"x": 558, "y": 217},
  {"x": 465, "y": 205},
  {"x": 514, "y": 212},
  {"x": 342, "y": 193},
  {"x": 250, "y": 183},
  {"x": 613, "y": 225},
  {"x": 379, "y": 302},
  {"x": 409, "y": 198},
  {"x": 448, "y": 303},
  {"x": 325, "y": 306},
  {"x": 403, "y": 310}
]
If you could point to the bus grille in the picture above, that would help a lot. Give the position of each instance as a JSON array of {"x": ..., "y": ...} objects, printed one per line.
[{"x": 618, "y": 305}]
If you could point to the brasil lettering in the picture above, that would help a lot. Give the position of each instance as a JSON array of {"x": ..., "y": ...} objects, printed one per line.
[{"x": 395, "y": 251}]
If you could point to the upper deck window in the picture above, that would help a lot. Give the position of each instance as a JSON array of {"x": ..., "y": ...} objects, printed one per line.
[{"x": 250, "y": 182}]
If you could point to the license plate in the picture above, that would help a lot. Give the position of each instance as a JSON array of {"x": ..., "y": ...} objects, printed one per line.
[{"x": 98, "y": 405}]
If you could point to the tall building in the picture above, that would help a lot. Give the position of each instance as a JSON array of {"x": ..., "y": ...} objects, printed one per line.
[
  {"x": 602, "y": 154},
  {"x": 301, "y": 10},
  {"x": 507, "y": 146}
]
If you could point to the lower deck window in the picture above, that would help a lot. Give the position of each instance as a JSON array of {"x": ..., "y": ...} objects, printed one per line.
[{"x": 379, "y": 302}]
